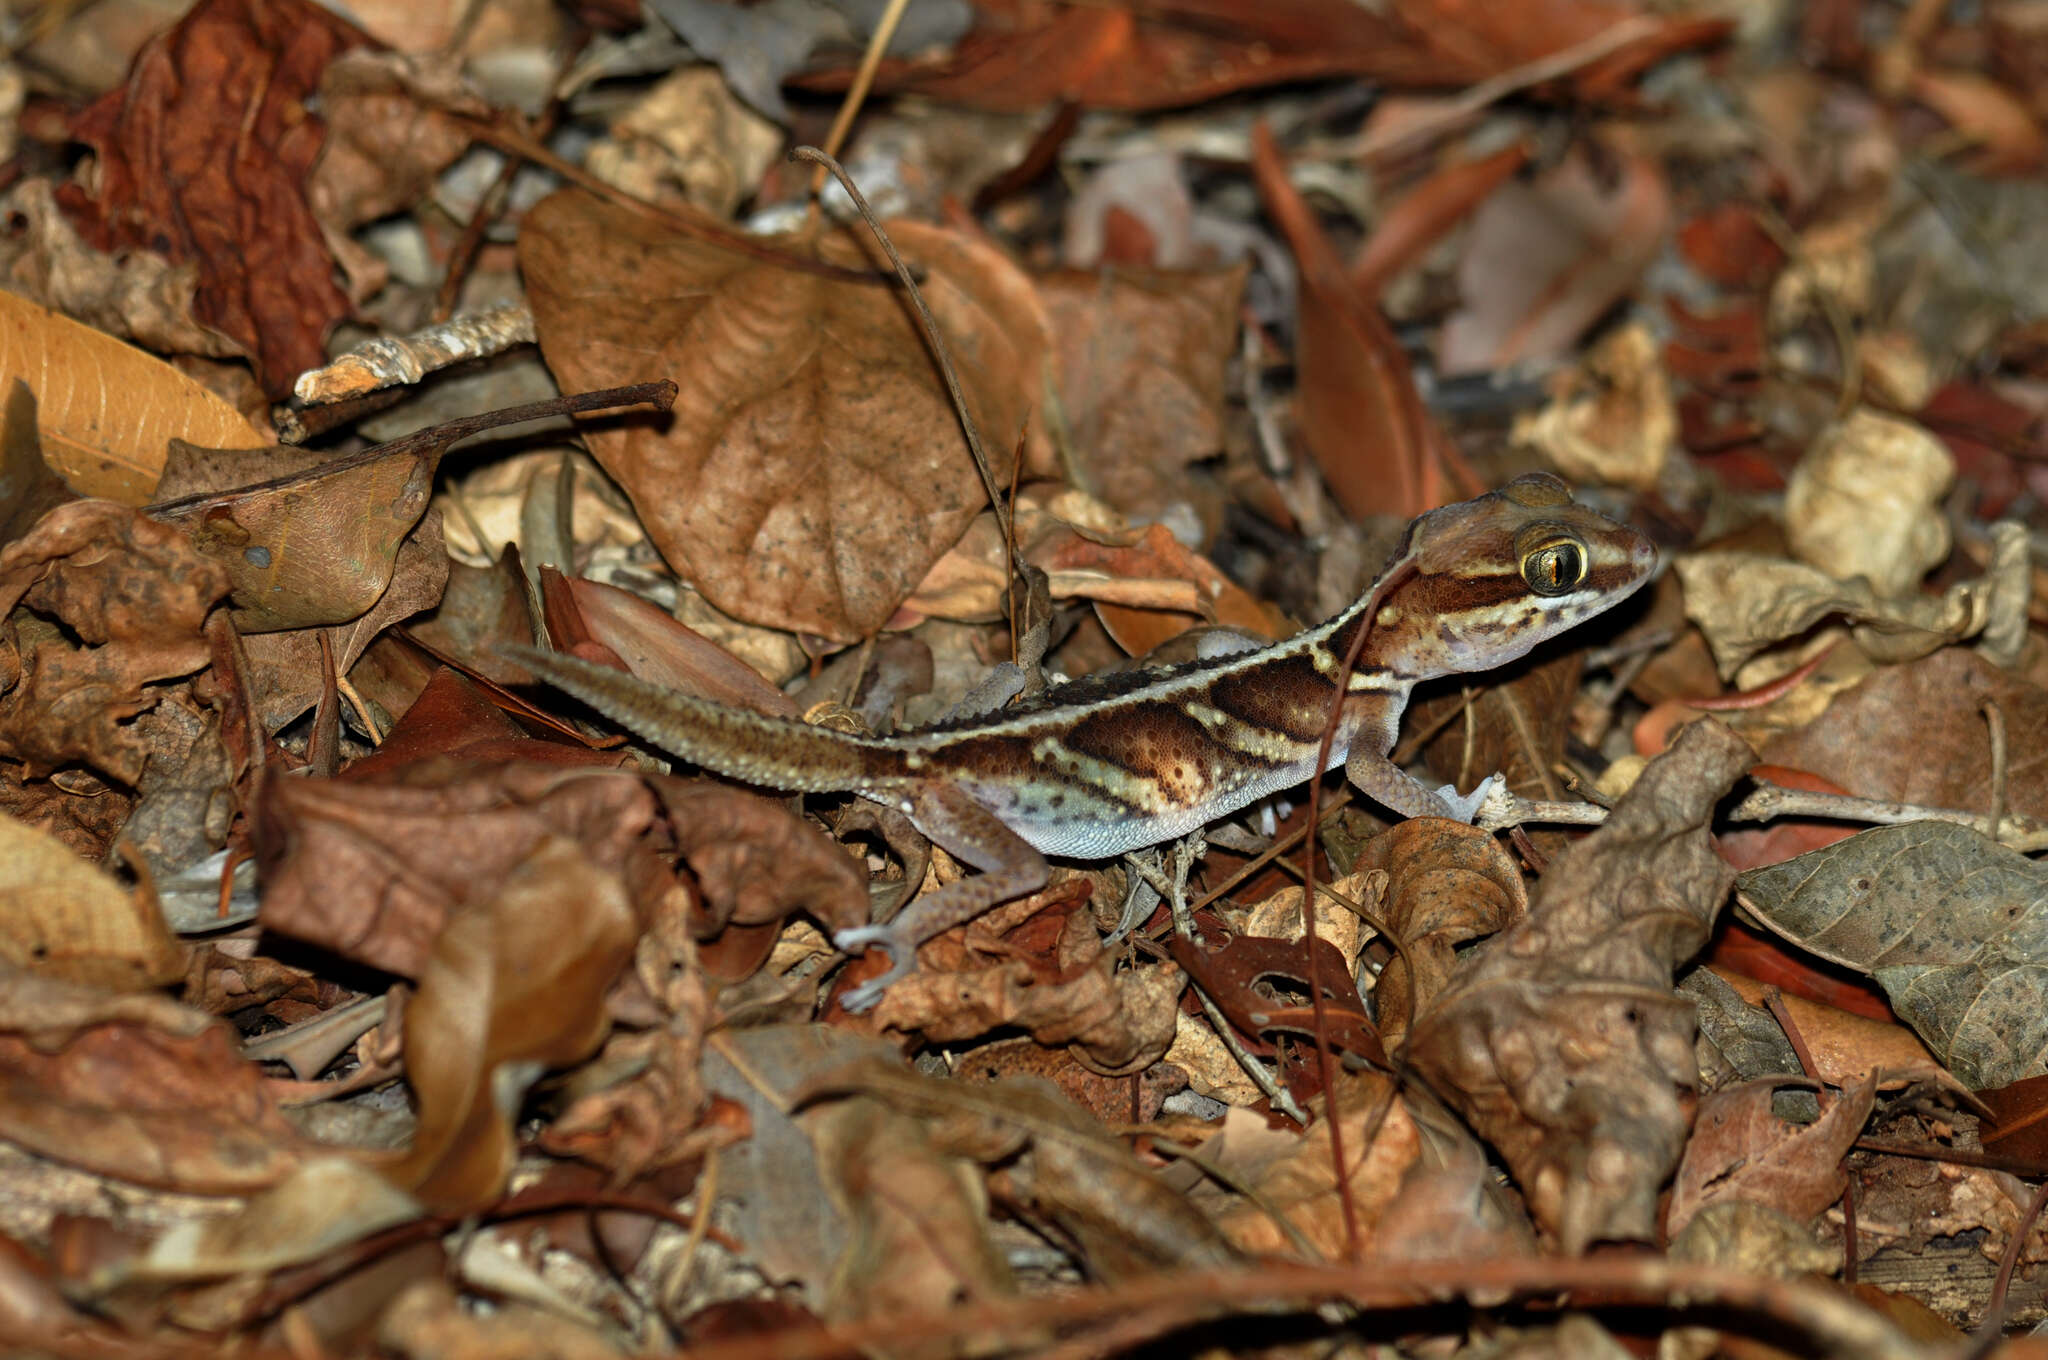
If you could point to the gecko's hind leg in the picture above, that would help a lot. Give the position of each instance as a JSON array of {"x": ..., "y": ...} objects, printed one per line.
[{"x": 1010, "y": 867}]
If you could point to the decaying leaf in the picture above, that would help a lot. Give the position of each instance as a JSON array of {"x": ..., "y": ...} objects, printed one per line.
[
  {"x": 1117, "y": 1023},
  {"x": 374, "y": 871},
  {"x": 1951, "y": 924},
  {"x": 161, "y": 183},
  {"x": 134, "y": 596},
  {"x": 64, "y": 918},
  {"x": 1560, "y": 1039},
  {"x": 814, "y": 468},
  {"x": 1741, "y": 1150},
  {"x": 302, "y": 553},
  {"x": 107, "y": 411},
  {"x": 136, "y": 1087},
  {"x": 514, "y": 984},
  {"x": 1361, "y": 414},
  {"x": 1746, "y": 603},
  {"x": 1611, "y": 421}
]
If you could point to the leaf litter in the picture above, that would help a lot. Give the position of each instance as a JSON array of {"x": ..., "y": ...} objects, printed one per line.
[{"x": 362, "y": 997}]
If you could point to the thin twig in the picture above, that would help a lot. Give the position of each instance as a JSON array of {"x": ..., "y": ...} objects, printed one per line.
[
  {"x": 1994, "y": 719},
  {"x": 857, "y": 93},
  {"x": 1768, "y": 802}
]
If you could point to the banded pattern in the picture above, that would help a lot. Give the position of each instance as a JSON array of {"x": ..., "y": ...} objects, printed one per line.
[{"x": 1096, "y": 769}]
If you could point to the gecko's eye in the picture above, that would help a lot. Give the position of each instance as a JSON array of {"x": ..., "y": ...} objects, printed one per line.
[{"x": 1555, "y": 566}]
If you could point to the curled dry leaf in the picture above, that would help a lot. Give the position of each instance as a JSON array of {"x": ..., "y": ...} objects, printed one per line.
[
  {"x": 1445, "y": 884},
  {"x": 324, "y": 1205},
  {"x": 1234, "y": 977},
  {"x": 132, "y": 295},
  {"x": 1951, "y": 924},
  {"x": 376, "y": 872},
  {"x": 161, "y": 183},
  {"x": 1560, "y": 1040},
  {"x": 515, "y": 984},
  {"x": 64, "y": 918},
  {"x": 1746, "y": 603},
  {"x": 1361, "y": 414},
  {"x": 1612, "y": 420},
  {"x": 814, "y": 468},
  {"x": 1846, "y": 1049},
  {"x": 107, "y": 411},
  {"x": 1741, "y": 1150},
  {"x": 135, "y": 596},
  {"x": 136, "y": 1087},
  {"x": 1866, "y": 501}
]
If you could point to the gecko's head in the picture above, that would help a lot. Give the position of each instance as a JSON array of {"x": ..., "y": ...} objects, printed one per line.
[{"x": 1487, "y": 579}]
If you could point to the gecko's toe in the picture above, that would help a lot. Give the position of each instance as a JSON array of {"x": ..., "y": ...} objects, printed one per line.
[
  {"x": 1464, "y": 807},
  {"x": 859, "y": 939}
]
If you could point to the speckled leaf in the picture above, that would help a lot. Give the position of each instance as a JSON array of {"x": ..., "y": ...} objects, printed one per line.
[{"x": 1953, "y": 926}]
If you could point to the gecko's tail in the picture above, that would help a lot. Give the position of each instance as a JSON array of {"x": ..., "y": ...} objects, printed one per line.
[{"x": 775, "y": 753}]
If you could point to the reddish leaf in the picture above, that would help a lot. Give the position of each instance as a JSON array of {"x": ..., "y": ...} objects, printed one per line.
[{"x": 233, "y": 73}]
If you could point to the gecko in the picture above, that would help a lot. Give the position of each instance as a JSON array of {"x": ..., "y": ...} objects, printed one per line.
[{"x": 1102, "y": 766}]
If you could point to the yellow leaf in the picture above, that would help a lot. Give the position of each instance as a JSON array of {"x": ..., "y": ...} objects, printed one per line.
[
  {"x": 108, "y": 411},
  {"x": 63, "y": 917}
]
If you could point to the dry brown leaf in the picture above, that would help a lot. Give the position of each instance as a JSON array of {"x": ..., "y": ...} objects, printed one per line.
[
  {"x": 916, "y": 1211},
  {"x": 1140, "y": 360},
  {"x": 1361, "y": 414},
  {"x": 1445, "y": 885},
  {"x": 1874, "y": 739},
  {"x": 64, "y": 918},
  {"x": 1118, "y": 1023},
  {"x": 1611, "y": 420},
  {"x": 1290, "y": 1173},
  {"x": 384, "y": 145},
  {"x": 1741, "y": 1149},
  {"x": 136, "y": 1087},
  {"x": 162, "y": 184},
  {"x": 373, "y": 871},
  {"x": 814, "y": 469},
  {"x": 106, "y": 410},
  {"x": 1560, "y": 1040},
  {"x": 514, "y": 984},
  {"x": 1847, "y": 1048},
  {"x": 1053, "y": 1162},
  {"x": 29, "y": 488},
  {"x": 304, "y": 553},
  {"x": 134, "y": 595},
  {"x": 1947, "y": 921}
]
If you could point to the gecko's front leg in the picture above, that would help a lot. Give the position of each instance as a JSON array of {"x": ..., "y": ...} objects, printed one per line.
[
  {"x": 1010, "y": 868},
  {"x": 1380, "y": 779}
]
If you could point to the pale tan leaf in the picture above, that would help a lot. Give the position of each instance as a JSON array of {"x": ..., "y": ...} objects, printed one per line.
[
  {"x": 109, "y": 411},
  {"x": 65, "y": 918}
]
